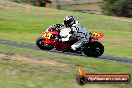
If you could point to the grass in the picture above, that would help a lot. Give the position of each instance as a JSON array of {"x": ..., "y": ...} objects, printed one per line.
[
  {"x": 21, "y": 74},
  {"x": 17, "y": 25}
]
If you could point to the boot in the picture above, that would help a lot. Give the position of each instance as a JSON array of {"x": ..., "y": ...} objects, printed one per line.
[{"x": 78, "y": 51}]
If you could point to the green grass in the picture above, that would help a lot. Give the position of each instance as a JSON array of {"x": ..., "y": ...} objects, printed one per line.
[
  {"x": 17, "y": 25},
  {"x": 29, "y": 75}
]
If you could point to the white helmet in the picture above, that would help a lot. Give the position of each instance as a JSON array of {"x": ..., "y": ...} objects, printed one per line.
[{"x": 69, "y": 21}]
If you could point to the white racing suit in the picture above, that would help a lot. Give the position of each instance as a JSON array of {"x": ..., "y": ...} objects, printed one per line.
[{"x": 78, "y": 31}]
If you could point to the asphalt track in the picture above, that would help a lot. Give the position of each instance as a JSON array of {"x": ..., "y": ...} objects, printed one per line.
[{"x": 33, "y": 47}]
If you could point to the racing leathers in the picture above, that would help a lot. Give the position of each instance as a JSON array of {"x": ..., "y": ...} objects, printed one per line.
[{"x": 79, "y": 32}]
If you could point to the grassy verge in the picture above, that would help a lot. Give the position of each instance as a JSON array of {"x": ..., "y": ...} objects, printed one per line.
[
  {"x": 17, "y": 25},
  {"x": 23, "y": 74}
]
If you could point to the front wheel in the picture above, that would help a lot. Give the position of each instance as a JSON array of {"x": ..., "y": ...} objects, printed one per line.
[
  {"x": 40, "y": 44},
  {"x": 94, "y": 49}
]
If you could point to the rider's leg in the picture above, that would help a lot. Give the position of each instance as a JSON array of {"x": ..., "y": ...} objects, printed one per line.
[
  {"x": 80, "y": 42},
  {"x": 77, "y": 45}
]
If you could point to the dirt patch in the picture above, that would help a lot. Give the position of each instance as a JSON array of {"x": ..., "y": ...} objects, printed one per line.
[
  {"x": 3, "y": 19},
  {"x": 32, "y": 60},
  {"x": 2, "y": 4},
  {"x": 2, "y": 56},
  {"x": 1, "y": 8}
]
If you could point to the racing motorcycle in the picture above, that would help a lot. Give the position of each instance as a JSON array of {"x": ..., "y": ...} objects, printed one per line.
[{"x": 49, "y": 41}]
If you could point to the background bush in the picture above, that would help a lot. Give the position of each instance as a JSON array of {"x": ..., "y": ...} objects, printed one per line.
[
  {"x": 42, "y": 3},
  {"x": 117, "y": 7}
]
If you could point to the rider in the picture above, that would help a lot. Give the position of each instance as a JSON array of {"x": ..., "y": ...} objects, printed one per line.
[{"x": 76, "y": 30}]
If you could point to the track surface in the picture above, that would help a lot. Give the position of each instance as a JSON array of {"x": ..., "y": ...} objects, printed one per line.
[{"x": 29, "y": 46}]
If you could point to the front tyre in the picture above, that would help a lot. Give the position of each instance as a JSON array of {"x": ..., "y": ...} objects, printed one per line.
[
  {"x": 94, "y": 49},
  {"x": 40, "y": 44}
]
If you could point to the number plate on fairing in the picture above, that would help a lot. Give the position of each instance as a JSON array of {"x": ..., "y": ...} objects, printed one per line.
[
  {"x": 47, "y": 35},
  {"x": 96, "y": 35}
]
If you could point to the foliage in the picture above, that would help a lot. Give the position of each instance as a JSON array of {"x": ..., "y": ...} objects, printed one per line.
[
  {"x": 41, "y": 3},
  {"x": 117, "y": 7}
]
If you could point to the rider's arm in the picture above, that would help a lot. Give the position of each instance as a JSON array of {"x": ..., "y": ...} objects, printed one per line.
[
  {"x": 70, "y": 34},
  {"x": 67, "y": 38}
]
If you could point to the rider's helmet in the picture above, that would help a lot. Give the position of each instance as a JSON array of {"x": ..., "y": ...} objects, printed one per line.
[{"x": 69, "y": 21}]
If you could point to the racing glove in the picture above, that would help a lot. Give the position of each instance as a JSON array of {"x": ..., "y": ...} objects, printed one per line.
[{"x": 58, "y": 39}]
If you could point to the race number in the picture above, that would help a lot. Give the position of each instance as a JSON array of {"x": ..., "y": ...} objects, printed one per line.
[
  {"x": 47, "y": 35},
  {"x": 97, "y": 35}
]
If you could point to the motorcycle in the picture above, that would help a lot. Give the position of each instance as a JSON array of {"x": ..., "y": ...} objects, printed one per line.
[{"x": 49, "y": 41}]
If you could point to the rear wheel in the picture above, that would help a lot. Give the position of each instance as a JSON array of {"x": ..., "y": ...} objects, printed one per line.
[
  {"x": 40, "y": 44},
  {"x": 94, "y": 49}
]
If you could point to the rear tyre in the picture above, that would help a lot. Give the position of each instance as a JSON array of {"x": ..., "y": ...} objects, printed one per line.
[
  {"x": 94, "y": 49},
  {"x": 40, "y": 44}
]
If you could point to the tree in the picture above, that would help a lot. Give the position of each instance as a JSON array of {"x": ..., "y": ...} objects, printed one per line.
[
  {"x": 117, "y": 7},
  {"x": 42, "y": 3}
]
